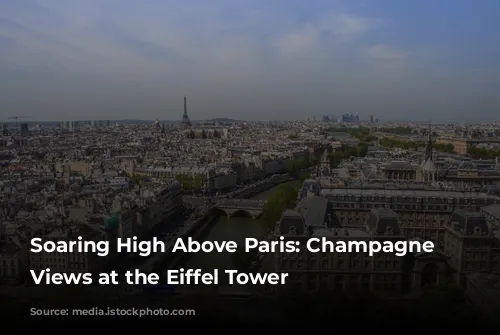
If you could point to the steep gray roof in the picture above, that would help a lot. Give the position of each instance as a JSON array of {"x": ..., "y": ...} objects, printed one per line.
[
  {"x": 317, "y": 211},
  {"x": 309, "y": 185},
  {"x": 469, "y": 222},
  {"x": 383, "y": 221},
  {"x": 292, "y": 220}
]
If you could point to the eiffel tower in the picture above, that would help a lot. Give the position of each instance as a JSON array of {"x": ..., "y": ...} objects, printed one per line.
[{"x": 185, "y": 118}]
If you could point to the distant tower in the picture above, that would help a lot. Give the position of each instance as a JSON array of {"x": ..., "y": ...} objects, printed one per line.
[
  {"x": 428, "y": 171},
  {"x": 185, "y": 119}
]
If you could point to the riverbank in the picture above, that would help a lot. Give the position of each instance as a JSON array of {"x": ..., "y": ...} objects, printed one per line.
[
  {"x": 210, "y": 226},
  {"x": 232, "y": 229}
]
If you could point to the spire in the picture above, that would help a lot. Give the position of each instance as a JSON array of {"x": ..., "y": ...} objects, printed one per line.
[
  {"x": 428, "y": 147},
  {"x": 185, "y": 119}
]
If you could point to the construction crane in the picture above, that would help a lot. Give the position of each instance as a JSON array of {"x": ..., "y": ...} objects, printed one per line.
[{"x": 18, "y": 117}]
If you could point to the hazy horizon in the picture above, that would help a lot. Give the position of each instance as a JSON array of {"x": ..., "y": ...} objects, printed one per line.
[{"x": 250, "y": 60}]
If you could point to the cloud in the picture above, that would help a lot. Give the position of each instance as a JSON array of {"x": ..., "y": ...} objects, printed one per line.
[
  {"x": 112, "y": 36},
  {"x": 385, "y": 52},
  {"x": 235, "y": 58},
  {"x": 81, "y": 38},
  {"x": 340, "y": 27},
  {"x": 299, "y": 41},
  {"x": 349, "y": 25}
]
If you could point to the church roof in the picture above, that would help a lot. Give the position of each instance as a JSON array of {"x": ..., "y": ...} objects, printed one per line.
[
  {"x": 429, "y": 166},
  {"x": 467, "y": 165}
]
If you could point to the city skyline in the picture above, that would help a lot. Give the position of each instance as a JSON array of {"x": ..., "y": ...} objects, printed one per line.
[{"x": 250, "y": 60}]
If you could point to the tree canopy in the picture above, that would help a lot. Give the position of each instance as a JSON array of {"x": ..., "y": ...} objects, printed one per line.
[
  {"x": 397, "y": 130},
  {"x": 390, "y": 142},
  {"x": 282, "y": 198},
  {"x": 395, "y": 143},
  {"x": 347, "y": 152},
  {"x": 243, "y": 260},
  {"x": 296, "y": 165},
  {"x": 483, "y": 153},
  {"x": 450, "y": 148},
  {"x": 361, "y": 133},
  {"x": 189, "y": 183}
]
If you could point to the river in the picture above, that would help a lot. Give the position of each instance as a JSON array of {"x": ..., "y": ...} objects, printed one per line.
[{"x": 230, "y": 229}]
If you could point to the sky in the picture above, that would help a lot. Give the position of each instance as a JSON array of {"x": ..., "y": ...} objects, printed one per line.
[{"x": 418, "y": 60}]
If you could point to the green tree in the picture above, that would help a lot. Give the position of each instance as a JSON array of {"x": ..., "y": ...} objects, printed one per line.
[
  {"x": 197, "y": 183},
  {"x": 395, "y": 143},
  {"x": 444, "y": 147},
  {"x": 314, "y": 161},
  {"x": 483, "y": 153},
  {"x": 295, "y": 166},
  {"x": 347, "y": 152},
  {"x": 136, "y": 179},
  {"x": 242, "y": 260},
  {"x": 189, "y": 183},
  {"x": 361, "y": 133},
  {"x": 282, "y": 198},
  {"x": 186, "y": 181},
  {"x": 362, "y": 149},
  {"x": 397, "y": 130},
  {"x": 338, "y": 130}
]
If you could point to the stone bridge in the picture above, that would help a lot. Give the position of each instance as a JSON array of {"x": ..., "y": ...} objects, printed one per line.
[{"x": 231, "y": 207}]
